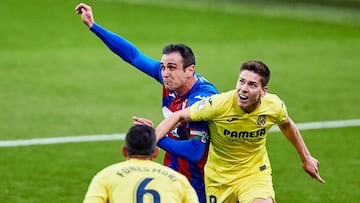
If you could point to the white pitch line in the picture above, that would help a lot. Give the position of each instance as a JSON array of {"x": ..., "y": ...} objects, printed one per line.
[
  {"x": 323, "y": 124},
  {"x": 57, "y": 140},
  {"x": 92, "y": 138}
]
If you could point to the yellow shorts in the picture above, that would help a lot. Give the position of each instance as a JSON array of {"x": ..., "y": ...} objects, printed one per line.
[{"x": 244, "y": 190}]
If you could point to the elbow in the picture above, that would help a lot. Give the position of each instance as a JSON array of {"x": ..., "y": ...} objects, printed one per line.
[{"x": 198, "y": 153}]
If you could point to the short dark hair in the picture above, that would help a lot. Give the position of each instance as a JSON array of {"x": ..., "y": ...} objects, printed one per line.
[
  {"x": 140, "y": 140},
  {"x": 258, "y": 67},
  {"x": 185, "y": 52}
]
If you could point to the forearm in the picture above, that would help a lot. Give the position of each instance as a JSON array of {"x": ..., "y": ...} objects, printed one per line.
[
  {"x": 167, "y": 125},
  {"x": 127, "y": 51},
  {"x": 171, "y": 122},
  {"x": 116, "y": 43},
  {"x": 309, "y": 163},
  {"x": 293, "y": 135}
]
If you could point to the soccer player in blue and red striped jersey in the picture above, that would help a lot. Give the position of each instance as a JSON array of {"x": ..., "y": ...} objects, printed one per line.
[{"x": 186, "y": 146}]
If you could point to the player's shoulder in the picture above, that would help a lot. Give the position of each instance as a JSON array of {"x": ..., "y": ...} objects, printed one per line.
[
  {"x": 217, "y": 102},
  {"x": 115, "y": 166},
  {"x": 201, "y": 92},
  {"x": 224, "y": 97},
  {"x": 203, "y": 85},
  {"x": 273, "y": 100},
  {"x": 272, "y": 97},
  {"x": 110, "y": 169}
]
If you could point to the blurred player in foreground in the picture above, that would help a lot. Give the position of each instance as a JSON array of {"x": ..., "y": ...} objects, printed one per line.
[
  {"x": 139, "y": 178},
  {"x": 238, "y": 168},
  {"x": 186, "y": 147}
]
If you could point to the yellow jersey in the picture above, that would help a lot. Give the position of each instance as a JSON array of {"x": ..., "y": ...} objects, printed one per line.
[
  {"x": 237, "y": 139},
  {"x": 139, "y": 181}
]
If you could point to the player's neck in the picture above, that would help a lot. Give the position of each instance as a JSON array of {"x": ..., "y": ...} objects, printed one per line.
[{"x": 251, "y": 108}]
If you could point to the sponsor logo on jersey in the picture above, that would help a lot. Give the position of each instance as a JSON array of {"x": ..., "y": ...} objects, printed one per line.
[
  {"x": 210, "y": 101},
  {"x": 244, "y": 134},
  {"x": 232, "y": 119}
]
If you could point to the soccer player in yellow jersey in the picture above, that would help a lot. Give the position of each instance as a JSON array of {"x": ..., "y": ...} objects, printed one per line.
[
  {"x": 238, "y": 167},
  {"x": 139, "y": 179}
]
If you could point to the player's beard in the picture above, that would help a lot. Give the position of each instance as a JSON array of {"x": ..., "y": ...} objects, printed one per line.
[{"x": 171, "y": 85}]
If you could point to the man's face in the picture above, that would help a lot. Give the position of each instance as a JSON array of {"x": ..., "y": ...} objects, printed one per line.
[
  {"x": 173, "y": 73},
  {"x": 249, "y": 90}
]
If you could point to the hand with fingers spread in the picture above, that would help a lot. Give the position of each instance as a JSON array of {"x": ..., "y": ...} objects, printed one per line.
[
  {"x": 311, "y": 166},
  {"x": 86, "y": 14}
]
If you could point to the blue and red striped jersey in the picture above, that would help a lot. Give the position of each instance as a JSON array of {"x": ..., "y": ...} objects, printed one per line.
[{"x": 186, "y": 146}]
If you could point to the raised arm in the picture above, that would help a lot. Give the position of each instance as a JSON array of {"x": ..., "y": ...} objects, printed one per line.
[
  {"x": 119, "y": 45},
  {"x": 309, "y": 163}
]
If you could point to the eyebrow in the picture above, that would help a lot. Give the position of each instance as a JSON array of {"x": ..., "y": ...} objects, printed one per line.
[
  {"x": 250, "y": 82},
  {"x": 170, "y": 63}
]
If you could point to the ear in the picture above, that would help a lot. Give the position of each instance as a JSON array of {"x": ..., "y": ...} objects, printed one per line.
[
  {"x": 264, "y": 90},
  {"x": 190, "y": 70},
  {"x": 156, "y": 153},
  {"x": 124, "y": 152}
]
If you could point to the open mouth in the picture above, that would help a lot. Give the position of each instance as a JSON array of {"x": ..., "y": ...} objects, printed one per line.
[{"x": 243, "y": 97}]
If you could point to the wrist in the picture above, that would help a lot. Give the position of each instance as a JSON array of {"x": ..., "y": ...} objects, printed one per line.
[{"x": 90, "y": 24}]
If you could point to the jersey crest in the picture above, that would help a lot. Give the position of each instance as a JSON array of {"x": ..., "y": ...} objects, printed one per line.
[{"x": 261, "y": 120}]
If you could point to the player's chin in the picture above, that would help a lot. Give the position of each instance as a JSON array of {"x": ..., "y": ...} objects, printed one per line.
[
  {"x": 243, "y": 103},
  {"x": 169, "y": 87}
]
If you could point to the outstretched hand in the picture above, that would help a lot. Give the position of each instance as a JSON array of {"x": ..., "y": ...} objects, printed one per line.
[
  {"x": 86, "y": 14},
  {"x": 311, "y": 166}
]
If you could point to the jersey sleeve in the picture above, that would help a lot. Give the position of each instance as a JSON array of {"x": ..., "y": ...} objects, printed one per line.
[
  {"x": 283, "y": 114},
  {"x": 191, "y": 150},
  {"x": 206, "y": 90},
  {"x": 202, "y": 110},
  {"x": 128, "y": 52}
]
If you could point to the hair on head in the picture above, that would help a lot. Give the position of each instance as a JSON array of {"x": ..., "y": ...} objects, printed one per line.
[
  {"x": 185, "y": 51},
  {"x": 257, "y": 67},
  {"x": 140, "y": 140}
]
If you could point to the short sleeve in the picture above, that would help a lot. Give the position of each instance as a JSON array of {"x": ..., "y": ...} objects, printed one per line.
[
  {"x": 283, "y": 113},
  {"x": 202, "y": 110}
]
